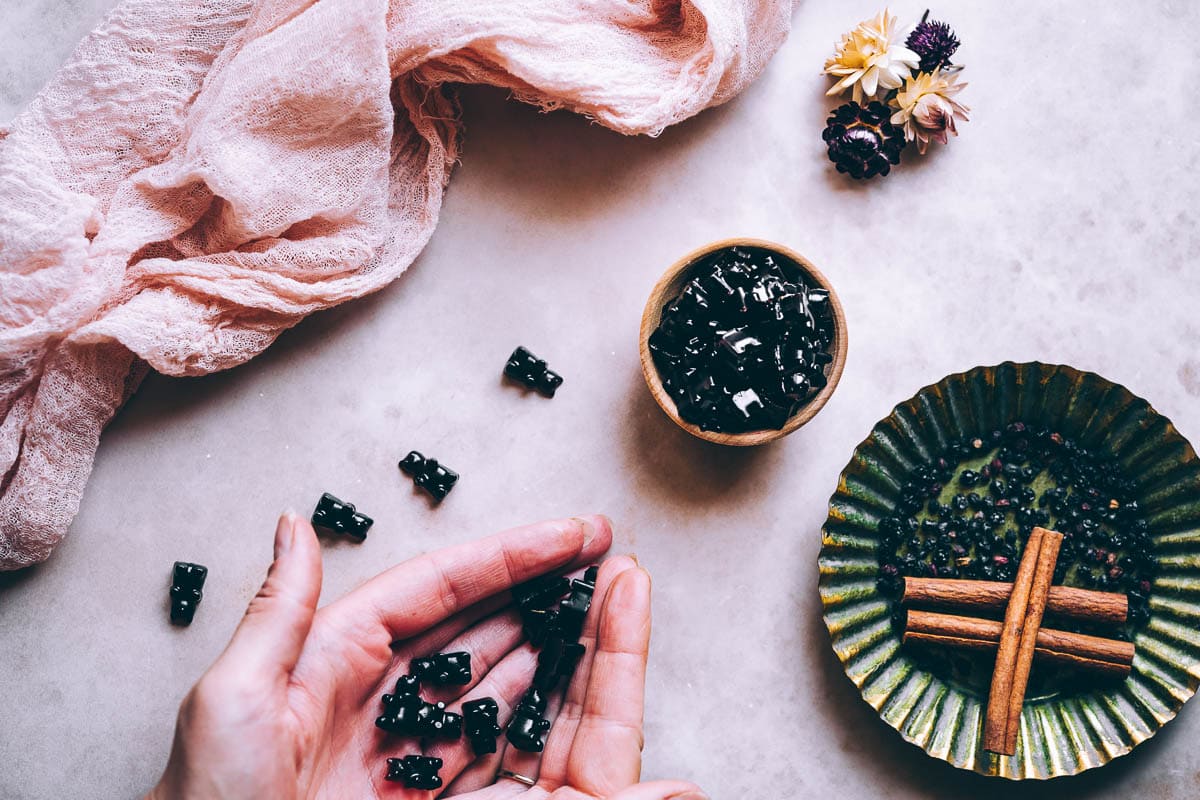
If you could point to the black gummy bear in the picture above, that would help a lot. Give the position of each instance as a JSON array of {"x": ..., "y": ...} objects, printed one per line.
[
  {"x": 443, "y": 669},
  {"x": 538, "y": 624},
  {"x": 557, "y": 631},
  {"x": 406, "y": 714},
  {"x": 533, "y": 599},
  {"x": 399, "y": 714},
  {"x": 428, "y": 474},
  {"x": 527, "y": 729},
  {"x": 415, "y": 772},
  {"x": 541, "y": 592},
  {"x": 186, "y": 583},
  {"x": 572, "y": 610},
  {"x": 406, "y": 686},
  {"x": 524, "y": 367},
  {"x": 435, "y": 722},
  {"x": 400, "y": 708},
  {"x": 556, "y": 661},
  {"x": 479, "y": 724},
  {"x": 572, "y": 653},
  {"x": 334, "y": 515},
  {"x": 409, "y": 715}
]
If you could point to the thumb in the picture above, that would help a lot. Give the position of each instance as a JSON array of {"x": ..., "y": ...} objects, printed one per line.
[
  {"x": 271, "y": 635},
  {"x": 661, "y": 790}
]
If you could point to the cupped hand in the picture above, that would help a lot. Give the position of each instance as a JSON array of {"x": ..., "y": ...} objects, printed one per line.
[{"x": 288, "y": 709}]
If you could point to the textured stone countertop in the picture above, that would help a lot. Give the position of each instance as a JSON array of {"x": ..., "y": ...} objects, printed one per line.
[{"x": 1061, "y": 226}]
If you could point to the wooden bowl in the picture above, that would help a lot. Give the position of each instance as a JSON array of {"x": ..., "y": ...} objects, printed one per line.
[{"x": 669, "y": 286}]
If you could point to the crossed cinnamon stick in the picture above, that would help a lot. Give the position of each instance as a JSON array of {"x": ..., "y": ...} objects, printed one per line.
[{"x": 1020, "y": 637}]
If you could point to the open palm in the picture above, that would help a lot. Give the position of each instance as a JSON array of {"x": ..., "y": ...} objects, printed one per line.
[{"x": 288, "y": 710}]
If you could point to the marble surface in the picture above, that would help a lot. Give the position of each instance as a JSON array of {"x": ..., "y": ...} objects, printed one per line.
[{"x": 1061, "y": 226}]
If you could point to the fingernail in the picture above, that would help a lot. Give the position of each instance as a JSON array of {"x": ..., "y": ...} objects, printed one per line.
[
  {"x": 285, "y": 532},
  {"x": 589, "y": 529},
  {"x": 635, "y": 559},
  {"x": 689, "y": 796}
]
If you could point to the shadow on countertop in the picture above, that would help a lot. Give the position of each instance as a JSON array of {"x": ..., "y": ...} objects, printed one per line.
[
  {"x": 670, "y": 466},
  {"x": 15, "y": 578}
]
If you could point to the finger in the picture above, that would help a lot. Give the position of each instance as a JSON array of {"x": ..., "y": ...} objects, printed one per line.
[
  {"x": 438, "y": 638},
  {"x": 606, "y": 755},
  {"x": 482, "y": 772},
  {"x": 661, "y": 790},
  {"x": 271, "y": 635},
  {"x": 485, "y": 637},
  {"x": 558, "y": 745},
  {"x": 498, "y": 788},
  {"x": 411, "y": 597},
  {"x": 524, "y": 762}
]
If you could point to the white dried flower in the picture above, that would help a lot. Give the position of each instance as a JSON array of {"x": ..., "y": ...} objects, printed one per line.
[{"x": 870, "y": 58}]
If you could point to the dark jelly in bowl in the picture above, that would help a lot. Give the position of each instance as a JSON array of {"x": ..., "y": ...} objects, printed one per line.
[{"x": 742, "y": 338}]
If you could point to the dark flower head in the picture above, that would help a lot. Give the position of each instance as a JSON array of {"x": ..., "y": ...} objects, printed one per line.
[
  {"x": 862, "y": 141},
  {"x": 934, "y": 42}
]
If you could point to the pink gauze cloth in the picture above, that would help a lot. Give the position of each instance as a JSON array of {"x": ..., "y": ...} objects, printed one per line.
[{"x": 204, "y": 173}]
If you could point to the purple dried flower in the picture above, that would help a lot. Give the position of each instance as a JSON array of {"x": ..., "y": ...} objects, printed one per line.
[
  {"x": 934, "y": 42},
  {"x": 862, "y": 141}
]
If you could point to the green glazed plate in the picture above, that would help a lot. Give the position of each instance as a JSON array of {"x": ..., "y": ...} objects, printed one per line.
[{"x": 1062, "y": 731}]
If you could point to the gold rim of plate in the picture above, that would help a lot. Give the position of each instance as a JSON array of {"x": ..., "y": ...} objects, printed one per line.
[{"x": 1060, "y": 734}]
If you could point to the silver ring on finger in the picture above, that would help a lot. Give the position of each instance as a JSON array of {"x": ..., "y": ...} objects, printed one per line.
[{"x": 515, "y": 776}]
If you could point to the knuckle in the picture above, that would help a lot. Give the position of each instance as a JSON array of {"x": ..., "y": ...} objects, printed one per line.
[
  {"x": 224, "y": 684},
  {"x": 447, "y": 593},
  {"x": 512, "y": 569},
  {"x": 207, "y": 689},
  {"x": 205, "y": 699},
  {"x": 259, "y": 604},
  {"x": 267, "y": 593},
  {"x": 273, "y": 597}
]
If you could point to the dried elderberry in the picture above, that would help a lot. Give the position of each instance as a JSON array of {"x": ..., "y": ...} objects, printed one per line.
[{"x": 1025, "y": 477}]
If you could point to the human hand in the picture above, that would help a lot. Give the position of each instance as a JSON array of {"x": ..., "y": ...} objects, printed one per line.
[{"x": 288, "y": 709}]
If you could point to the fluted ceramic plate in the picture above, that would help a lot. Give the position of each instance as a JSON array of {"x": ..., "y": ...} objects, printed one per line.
[{"x": 1063, "y": 731}]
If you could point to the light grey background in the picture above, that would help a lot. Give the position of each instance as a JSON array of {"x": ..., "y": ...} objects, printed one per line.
[{"x": 1061, "y": 226}]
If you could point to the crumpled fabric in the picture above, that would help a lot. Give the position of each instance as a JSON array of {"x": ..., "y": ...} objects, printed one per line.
[{"x": 202, "y": 174}]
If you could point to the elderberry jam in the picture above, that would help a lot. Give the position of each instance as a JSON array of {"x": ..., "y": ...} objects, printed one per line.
[{"x": 746, "y": 342}]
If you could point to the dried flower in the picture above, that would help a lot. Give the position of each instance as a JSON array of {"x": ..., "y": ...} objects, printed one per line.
[
  {"x": 926, "y": 109},
  {"x": 861, "y": 140},
  {"x": 934, "y": 42},
  {"x": 870, "y": 58}
]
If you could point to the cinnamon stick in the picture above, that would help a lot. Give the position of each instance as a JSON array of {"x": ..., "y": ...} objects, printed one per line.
[
  {"x": 1092, "y": 653},
  {"x": 1107, "y": 608},
  {"x": 996, "y": 722},
  {"x": 1042, "y": 576}
]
